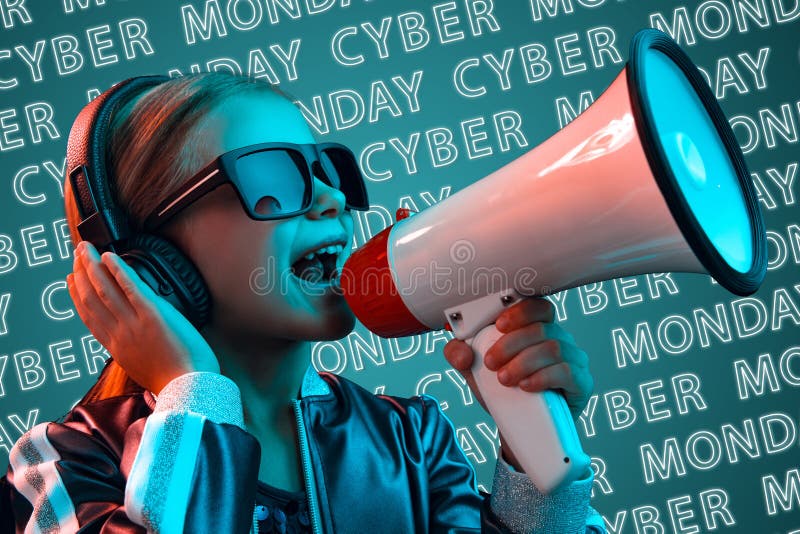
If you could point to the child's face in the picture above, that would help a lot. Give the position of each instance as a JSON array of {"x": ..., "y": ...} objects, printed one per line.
[{"x": 247, "y": 263}]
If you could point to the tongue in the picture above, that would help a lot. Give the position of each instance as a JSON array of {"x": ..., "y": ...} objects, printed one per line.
[{"x": 311, "y": 270}]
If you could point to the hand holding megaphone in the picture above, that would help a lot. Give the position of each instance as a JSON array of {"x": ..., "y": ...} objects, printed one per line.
[
  {"x": 649, "y": 178},
  {"x": 532, "y": 353}
]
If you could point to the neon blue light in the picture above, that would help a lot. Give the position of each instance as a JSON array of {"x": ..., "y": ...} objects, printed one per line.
[{"x": 699, "y": 160}]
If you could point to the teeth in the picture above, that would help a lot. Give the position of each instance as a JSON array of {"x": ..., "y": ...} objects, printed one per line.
[{"x": 331, "y": 249}]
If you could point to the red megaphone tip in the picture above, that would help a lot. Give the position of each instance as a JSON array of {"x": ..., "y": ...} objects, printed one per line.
[{"x": 369, "y": 287}]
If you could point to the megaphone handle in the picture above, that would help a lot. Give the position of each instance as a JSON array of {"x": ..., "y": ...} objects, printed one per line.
[{"x": 537, "y": 426}]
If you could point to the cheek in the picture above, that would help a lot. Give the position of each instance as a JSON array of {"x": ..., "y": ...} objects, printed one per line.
[
  {"x": 235, "y": 253},
  {"x": 347, "y": 222},
  {"x": 260, "y": 258},
  {"x": 263, "y": 251}
]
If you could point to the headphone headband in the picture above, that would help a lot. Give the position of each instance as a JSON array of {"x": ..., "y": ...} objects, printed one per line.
[{"x": 103, "y": 221}]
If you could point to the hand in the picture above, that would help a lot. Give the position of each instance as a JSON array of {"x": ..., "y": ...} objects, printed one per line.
[
  {"x": 143, "y": 332},
  {"x": 533, "y": 353}
]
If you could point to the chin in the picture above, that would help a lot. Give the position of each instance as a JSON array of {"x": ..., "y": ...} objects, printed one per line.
[{"x": 335, "y": 324}]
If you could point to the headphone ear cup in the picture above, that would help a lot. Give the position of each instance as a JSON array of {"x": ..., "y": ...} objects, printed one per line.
[{"x": 170, "y": 274}]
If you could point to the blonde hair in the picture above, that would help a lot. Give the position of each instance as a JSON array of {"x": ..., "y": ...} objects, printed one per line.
[{"x": 150, "y": 154}]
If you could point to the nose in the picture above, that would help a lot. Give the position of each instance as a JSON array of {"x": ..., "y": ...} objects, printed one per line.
[{"x": 328, "y": 201}]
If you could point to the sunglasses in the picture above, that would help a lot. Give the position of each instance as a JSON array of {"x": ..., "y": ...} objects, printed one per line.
[{"x": 272, "y": 180}]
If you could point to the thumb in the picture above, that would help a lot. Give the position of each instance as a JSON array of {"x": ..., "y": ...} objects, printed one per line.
[{"x": 459, "y": 354}]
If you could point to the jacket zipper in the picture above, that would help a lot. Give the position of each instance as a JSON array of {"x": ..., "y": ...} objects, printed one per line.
[
  {"x": 313, "y": 503},
  {"x": 254, "y": 528}
]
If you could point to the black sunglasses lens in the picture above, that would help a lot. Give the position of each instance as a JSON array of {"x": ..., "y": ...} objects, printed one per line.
[
  {"x": 330, "y": 174},
  {"x": 273, "y": 182},
  {"x": 342, "y": 169}
]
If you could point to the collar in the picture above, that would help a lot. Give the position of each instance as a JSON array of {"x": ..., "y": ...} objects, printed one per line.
[{"x": 313, "y": 384}]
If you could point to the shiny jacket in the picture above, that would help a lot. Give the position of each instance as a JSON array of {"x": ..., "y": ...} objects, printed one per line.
[{"x": 182, "y": 461}]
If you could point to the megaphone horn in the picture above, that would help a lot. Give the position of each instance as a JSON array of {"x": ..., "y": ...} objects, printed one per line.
[{"x": 648, "y": 179}]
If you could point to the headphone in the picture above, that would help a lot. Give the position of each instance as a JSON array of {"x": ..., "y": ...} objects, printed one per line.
[{"x": 105, "y": 224}]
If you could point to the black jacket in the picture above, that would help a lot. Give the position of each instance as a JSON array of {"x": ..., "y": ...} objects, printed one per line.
[{"x": 183, "y": 462}]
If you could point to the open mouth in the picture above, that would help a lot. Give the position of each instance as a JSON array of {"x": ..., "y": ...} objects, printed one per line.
[{"x": 318, "y": 266}]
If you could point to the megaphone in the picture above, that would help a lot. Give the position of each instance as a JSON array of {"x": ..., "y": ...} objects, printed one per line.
[{"x": 649, "y": 178}]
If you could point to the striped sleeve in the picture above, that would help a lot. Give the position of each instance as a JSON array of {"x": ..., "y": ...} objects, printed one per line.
[
  {"x": 64, "y": 480},
  {"x": 194, "y": 469},
  {"x": 521, "y": 507},
  {"x": 515, "y": 505},
  {"x": 36, "y": 475}
]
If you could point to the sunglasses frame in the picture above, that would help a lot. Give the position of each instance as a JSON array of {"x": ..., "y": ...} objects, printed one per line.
[{"x": 222, "y": 170}]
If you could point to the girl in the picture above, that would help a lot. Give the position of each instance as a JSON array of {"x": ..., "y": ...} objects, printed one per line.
[{"x": 229, "y": 428}]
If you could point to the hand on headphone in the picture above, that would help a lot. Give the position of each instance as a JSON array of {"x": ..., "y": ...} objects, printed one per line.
[{"x": 144, "y": 333}]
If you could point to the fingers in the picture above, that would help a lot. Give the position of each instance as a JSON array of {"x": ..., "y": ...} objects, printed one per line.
[
  {"x": 138, "y": 294},
  {"x": 531, "y": 360},
  {"x": 524, "y": 312},
  {"x": 87, "y": 304},
  {"x": 534, "y": 353},
  {"x": 508, "y": 345},
  {"x": 105, "y": 288},
  {"x": 105, "y": 285},
  {"x": 576, "y": 383}
]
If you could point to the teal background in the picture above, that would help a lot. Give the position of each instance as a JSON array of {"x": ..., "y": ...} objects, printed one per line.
[{"x": 28, "y": 328}]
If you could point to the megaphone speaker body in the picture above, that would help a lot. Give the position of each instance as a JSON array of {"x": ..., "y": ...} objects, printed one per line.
[{"x": 648, "y": 179}]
